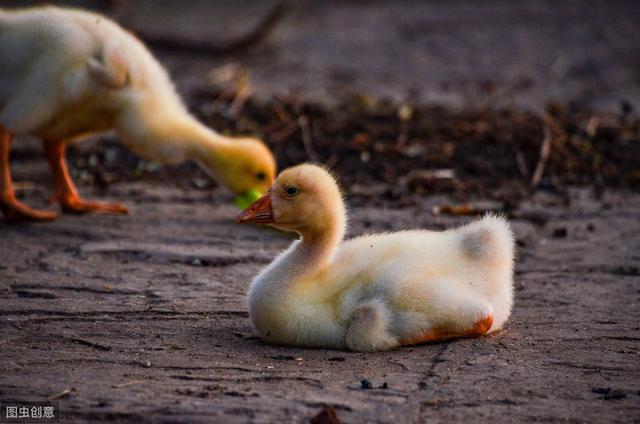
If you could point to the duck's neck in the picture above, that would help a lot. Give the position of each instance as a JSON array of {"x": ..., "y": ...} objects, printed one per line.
[
  {"x": 306, "y": 257},
  {"x": 168, "y": 135}
]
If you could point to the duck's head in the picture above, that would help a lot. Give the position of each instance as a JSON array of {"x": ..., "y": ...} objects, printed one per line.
[
  {"x": 305, "y": 199},
  {"x": 163, "y": 132},
  {"x": 244, "y": 165}
]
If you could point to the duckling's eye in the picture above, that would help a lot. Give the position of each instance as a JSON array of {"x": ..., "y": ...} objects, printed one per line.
[
  {"x": 291, "y": 191},
  {"x": 261, "y": 176}
]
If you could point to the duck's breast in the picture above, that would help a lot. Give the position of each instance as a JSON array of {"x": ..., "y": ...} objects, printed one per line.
[{"x": 294, "y": 320}]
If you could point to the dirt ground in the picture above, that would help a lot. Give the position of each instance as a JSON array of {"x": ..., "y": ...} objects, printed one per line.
[{"x": 142, "y": 317}]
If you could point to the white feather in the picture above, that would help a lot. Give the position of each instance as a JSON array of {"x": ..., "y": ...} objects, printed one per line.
[{"x": 373, "y": 292}]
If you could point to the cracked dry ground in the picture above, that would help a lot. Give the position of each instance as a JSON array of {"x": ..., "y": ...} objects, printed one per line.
[{"x": 143, "y": 316}]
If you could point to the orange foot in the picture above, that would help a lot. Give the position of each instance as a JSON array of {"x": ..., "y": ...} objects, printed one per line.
[
  {"x": 481, "y": 327},
  {"x": 15, "y": 210},
  {"x": 438, "y": 334},
  {"x": 79, "y": 206}
]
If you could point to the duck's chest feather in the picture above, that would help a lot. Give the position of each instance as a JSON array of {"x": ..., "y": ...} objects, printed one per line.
[{"x": 294, "y": 320}]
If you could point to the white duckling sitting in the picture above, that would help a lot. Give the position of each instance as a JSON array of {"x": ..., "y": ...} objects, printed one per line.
[
  {"x": 374, "y": 292},
  {"x": 68, "y": 73}
]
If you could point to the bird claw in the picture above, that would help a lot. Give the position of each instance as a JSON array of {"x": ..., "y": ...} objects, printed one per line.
[
  {"x": 14, "y": 210},
  {"x": 78, "y": 206}
]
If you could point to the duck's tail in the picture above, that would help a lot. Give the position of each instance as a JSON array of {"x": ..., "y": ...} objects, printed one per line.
[
  {"x": 489, "y": 242},
  {"x": 489, "y": 239}
]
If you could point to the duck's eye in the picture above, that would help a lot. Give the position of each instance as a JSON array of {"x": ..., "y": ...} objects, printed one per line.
[
  {"x": 261, "y": 176},
  {"x": 291, "y": 191}
]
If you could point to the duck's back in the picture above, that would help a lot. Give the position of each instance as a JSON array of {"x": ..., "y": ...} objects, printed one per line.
[
  {"x": 51, "y": 36},
  {"x": 479, "y": 255},
  {"x": 45, "y": 55},
  {"x": 415, "y": 254}
]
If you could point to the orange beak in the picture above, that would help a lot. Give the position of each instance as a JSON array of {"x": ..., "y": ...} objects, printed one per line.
[{"x": 259, "y": 212}]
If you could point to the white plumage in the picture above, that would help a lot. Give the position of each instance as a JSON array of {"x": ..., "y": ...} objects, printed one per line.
[
  {"x": 374, "y": 292},
  {"x": 67, "y": 73}
]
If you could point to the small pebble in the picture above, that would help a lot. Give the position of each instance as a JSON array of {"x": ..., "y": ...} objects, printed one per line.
[
  {"x": 609, "y": 393},
  {"x": 560, "y": 232}
]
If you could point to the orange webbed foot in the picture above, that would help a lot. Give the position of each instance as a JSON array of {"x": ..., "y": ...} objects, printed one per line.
[
  {"x": 481, "y": 327},
  {"x": 14, "y": 210},
  {"x": 438, "y": 334},
  {"x": 79, "y": 206}
]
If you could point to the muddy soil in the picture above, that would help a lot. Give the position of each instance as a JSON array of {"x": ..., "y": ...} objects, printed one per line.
[{"x": 142, "y": 317}]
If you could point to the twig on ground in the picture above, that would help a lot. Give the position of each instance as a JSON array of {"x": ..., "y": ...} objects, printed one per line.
[
  {"x": 280, "y": 111},
  {"x": 210, "y": 47},
  {"x": 93, "y": 345},
  {"x": 332, "y": 161},
  {"x": 303, "y": 122},
  {"x": 242, "y": 95},
  {"x": 592, "y": 126},
  {"x": 522, "y": 164},
  {"x": 62, "y": 395},
  {"x": 545, "y": 150},
  {"x": 128, "y": 383},
  {"x": 426, "y": 175},
  {"x": 464, "y": 210},
  {"x": 283, "y": 134}
]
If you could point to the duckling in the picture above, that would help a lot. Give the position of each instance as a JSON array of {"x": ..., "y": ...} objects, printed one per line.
[
  {"x": 69, "y": 73},
  {"x": 374, "y": 292}
]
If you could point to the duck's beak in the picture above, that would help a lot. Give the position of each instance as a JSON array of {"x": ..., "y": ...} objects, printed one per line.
[{"x": 259, "y": 212}]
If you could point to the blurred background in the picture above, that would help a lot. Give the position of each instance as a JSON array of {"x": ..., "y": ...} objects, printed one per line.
[
  {"x": 491, "y": 98},
  {"x": 460, "y": 53}
]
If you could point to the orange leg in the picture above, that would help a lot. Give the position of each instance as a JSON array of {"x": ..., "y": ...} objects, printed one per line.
[
  {"x": 12, "y": 208},
  {"x": 434, "y": 335},
  {"x": 66, "y": 192}
]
